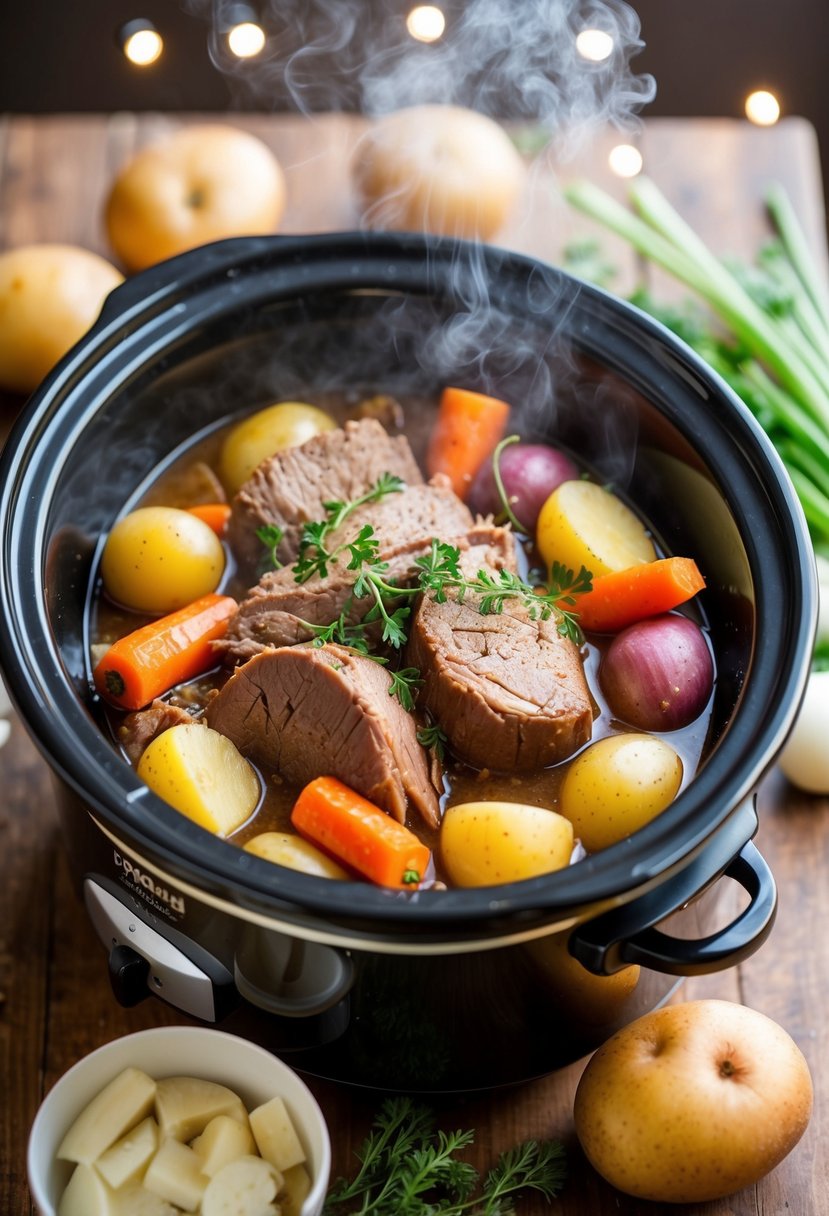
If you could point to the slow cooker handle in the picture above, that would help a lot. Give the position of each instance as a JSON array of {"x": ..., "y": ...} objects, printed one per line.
[{"x": 627, "y": 934}]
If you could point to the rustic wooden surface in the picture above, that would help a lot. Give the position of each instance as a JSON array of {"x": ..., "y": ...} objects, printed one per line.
[{"x": 55, "y": 1001}]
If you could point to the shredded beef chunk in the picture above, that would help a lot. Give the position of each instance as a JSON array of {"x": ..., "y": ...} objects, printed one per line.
[
  {"x": 290, "y": 488},
  {"x": 404, "y": 524},
  {"x": 325, "y": 711},
  {"x": 138, "y": 729},
  {"x": 508, "y": 691}
]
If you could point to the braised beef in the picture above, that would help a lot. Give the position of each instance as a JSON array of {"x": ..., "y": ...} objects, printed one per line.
[
  {"x": 289, "y": 489},
  {"x": 404, "y": 524},
  {"x": 138, "y": 729},
  {"x": 508, "y": 691},
  {"x": 308, "y": 711}
]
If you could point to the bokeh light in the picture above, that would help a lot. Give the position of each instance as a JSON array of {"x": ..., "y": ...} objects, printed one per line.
[
  {"x": 426, "y": 23},
  {"x": 762, "y": 108},
  {"x": 625, "y": 160},
  {"x": 595, "y": 45},
  {"x": 141, "y": 42},
  {"x": 246, "y": 39}
]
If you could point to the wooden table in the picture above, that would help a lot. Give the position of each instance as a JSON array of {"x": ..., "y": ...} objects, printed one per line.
[{"x": 55, "y": 1002}]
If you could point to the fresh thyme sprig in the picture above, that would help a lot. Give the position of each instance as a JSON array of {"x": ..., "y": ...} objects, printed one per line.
[{"x": 407, "y": 1169}]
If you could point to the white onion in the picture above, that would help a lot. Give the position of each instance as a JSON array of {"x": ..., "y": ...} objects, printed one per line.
[{"x": 805, "y": 758}]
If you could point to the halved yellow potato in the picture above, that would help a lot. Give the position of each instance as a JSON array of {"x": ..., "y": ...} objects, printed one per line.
[
  {"x": 203, "y": 775},
  {"x": 486, "y": 843},
  {"x": 583, "y": 524},
  {"x": 295, "y": 853}
]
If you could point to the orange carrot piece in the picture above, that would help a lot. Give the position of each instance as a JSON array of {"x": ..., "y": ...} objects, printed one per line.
[
  {"x": 625, "y": 596},
  {"x": 146, "y": 663},
  {"x": 214, "y": 514},
  {"x": 468, "y": 429},
  {"x": 358, "y": 833}
]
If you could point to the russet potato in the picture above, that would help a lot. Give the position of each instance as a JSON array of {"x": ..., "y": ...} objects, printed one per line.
[
  {"x": 49, "y": 297},
  {"x": 693, "y": 1102}
]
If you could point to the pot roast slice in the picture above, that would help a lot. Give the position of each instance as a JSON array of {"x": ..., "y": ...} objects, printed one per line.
[
  {"x": 290, "y": 487},
  {"x": 508, "y": 691},
  {"x": 404, "y": 524},
  {"x": 310, "y": 711}
]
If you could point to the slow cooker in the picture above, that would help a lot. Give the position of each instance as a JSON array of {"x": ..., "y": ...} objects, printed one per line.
[{"x": 435, "y": 990}]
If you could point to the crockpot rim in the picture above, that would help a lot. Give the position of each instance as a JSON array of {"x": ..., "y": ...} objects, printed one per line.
[{"x": 613, "y": 874}]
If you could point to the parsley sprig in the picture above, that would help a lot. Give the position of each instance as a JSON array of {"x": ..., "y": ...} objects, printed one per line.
[
  {"x": 432, "y": 736},
  {"x": 313, "y": 557},
  {"x": 408, "y": 1169}
]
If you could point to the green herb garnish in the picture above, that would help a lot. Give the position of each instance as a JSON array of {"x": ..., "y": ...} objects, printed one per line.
[
  {"x": 432, "y": 736},
  {"x": 313, "y": 557},
  {"x": 409, "y": 1169},
  {"x": 271, "y": 537}
]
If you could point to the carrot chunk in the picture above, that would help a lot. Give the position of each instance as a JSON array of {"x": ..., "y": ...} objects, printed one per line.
[
  {"x": 625, "y": 596},
  {"x": 359, "y": 834},
  {"x": 214, "y": 514},
  {"x": 146, "y": 663},
  {"x": 468, "y": 428}
]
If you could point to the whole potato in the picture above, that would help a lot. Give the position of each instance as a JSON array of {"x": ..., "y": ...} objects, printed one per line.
[
  {"x": 486, "y": 843},
  {"x": 199, "y": 184},
  {"x": 49, "y": 297},
  {"x": 437, "y": 168},
  {"x": 617, "y": 785},
  {"x": 157, "y": 559},
  {"x": 693, "y": 1102}
]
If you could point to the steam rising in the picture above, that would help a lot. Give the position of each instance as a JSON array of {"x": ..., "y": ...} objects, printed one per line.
[
  {"x": 514, "y": 61},
  {"x": 510, "y": 60}
]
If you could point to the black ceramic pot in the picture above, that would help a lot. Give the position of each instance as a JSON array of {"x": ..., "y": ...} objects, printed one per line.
[{"x": 441, "y": 990}]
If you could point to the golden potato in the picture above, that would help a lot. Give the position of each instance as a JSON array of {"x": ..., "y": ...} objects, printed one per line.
[
  {"x": 438, "y": 168},
  {"x": 49, "y": 297},
  {"x": 285, "y": 849},
  {"x": 284, "y": 425},
  {"x": 583, "y": 524},
  {"x": 200, "y": 184},
  {"x": 158, "y": 559},
  {"x": 617, "y": 785},
  {"x": 201, "y": 773},
  {"x": 485, "y": 843}
]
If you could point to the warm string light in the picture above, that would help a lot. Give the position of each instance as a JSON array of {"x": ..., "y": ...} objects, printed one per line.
[
  {"x": 246, "y": 39},
  {"x": 762, "y": 108},
  {"x": 625, "y": 160},
  {"x": 595, "y": 45},
  {"x": 426, "y": 23},
  {"x": 141, "y": 42}
]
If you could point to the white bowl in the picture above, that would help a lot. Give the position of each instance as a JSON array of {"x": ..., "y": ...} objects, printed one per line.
[{"x": 250, "y": 1071}]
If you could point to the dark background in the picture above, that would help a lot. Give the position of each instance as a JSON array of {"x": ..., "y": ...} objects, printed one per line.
[{"x": 706, "y": 55}]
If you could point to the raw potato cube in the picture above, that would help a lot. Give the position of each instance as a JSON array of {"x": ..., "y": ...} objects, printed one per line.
[
  {"x": 296, "y": 1184},
  {"x": 135, "y": 1200},
  {"x": 246, "y": 1187},
  {"x": 175, "y": 1174},
  {"x": 185, "y": 1105},
  {"x": 127, "y": 1158},
  {"x": 118, "y": 1107},
  {"x": 87, "y": 1195},
  {"x": 275, "y": 1135},
  {"x": 222, "y": 1141}
]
